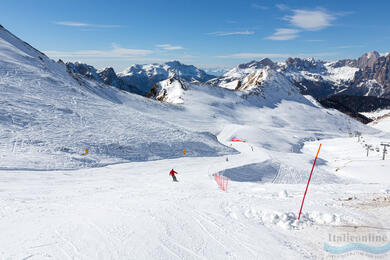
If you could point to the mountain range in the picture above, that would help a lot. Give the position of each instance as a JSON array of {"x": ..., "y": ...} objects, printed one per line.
[
  {"x": 138, "y": 78},
  {"x": 368, "y": 75},
  {"x": 52, "y": 111}
]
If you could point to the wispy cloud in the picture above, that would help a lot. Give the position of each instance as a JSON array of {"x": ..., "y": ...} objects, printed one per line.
[
  {"x": 80, "y": 24},
  {"x": 115, "y": 52},
  {"x": 247, "y": 55},
  {"x": 232, "y": 33},
  {"x": 169, "y": 47},
  {"x": 261, "y": 7},
  {"x": 284, "y": 34},
  {"x": 310, "y": 20},
  {"x": 349, "y": 46},
  {"x": 302, "y": 20},
  {"x": 282, "y": 7}
]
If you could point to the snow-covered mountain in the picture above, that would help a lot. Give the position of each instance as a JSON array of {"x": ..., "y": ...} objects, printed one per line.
[
  {"x": 373, "y": 78},
  {"x": 49, "y": 116},
  {"x": 365, "y": 76},
  {"x": 106, "y": 76},
  {"x": 145, "y": 76},
  {"x": 138, "y": 78},
  {"x": 216, "y": 71},
  {"x": 265, "y": 87},
  {"x": 317, "y": 78},
  {"x": 231, "y": 79}
]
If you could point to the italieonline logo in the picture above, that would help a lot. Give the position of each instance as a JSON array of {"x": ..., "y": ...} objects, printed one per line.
[{"x": 354, "y": 242}]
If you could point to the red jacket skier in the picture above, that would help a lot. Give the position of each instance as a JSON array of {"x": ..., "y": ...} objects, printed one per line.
[{"x": 172, "y": 173}]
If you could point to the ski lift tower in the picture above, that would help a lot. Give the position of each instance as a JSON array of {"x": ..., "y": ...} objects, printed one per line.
[
  {"x": 385, "y": 145},
  {"x": 358, "y": 134},
  {"x": 368, "y": 148}
]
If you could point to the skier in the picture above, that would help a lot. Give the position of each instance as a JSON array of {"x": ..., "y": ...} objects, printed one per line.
[{"x": 172, "y": 173}]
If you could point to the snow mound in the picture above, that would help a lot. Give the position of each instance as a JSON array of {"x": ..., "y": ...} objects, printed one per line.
[
  {"x": 289, "y": 220},
  {"x": 283, "y": 194}
]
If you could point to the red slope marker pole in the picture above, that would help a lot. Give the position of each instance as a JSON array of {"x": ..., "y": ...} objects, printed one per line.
[
  {"x": 226, "y": 183},
  {"x": 307, "y": 186}
]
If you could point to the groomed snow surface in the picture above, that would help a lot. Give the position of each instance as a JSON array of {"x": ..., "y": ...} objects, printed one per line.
[{"x": 135, "y": 211}]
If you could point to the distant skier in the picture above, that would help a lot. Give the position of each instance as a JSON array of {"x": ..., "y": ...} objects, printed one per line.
[{"x": 172, "y": 173}]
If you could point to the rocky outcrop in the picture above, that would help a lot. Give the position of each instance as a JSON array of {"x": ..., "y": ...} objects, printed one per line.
[
  {"x": 232, "y": 79},
  {"x": 83, "y": 69},
  {"x": 106, "y": 76},
  {"x": 170, "y": 90},
  {"x": 373, "y": 79}
]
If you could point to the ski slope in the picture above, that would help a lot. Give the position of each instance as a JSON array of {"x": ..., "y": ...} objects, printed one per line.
[
  {"x": 381, "y": 119},
  {"x": 135, "y": 211},
  {"x": 118, "y": 201}
]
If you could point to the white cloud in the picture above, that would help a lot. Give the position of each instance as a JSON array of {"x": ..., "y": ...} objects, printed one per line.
[
  {"x": 169, "y": 47},
  {"x": 116, "y": 52},
  {"x": 79, "y": 24},
  {"x": 261, "y": 7},
  {"x": 284, "y": 34},
  {"x": 247, "y": 55},
  {"x": 282, "y": 7},
  {"x": 232, "y": 33},
  {"x": 310, "y": 20}
]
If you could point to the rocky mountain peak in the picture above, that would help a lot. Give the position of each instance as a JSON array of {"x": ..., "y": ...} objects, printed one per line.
[
  {"x": 83, "y": 69},
  {"x": 368, "y": 59},
  {"x": 307, "y": 64},
  {"x": 170, "y": 90},
  {"x": 108, "y": 74},
  {"x": 257, "y": 64}
]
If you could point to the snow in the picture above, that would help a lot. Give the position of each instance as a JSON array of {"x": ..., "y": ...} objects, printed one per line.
[
  {"x": 355, "y": 164},
  {"x": 145, "y": 76},
  {"x": 381, "y": 119},
  {"x": 118, "y": 201},
  {"x": 340, "y": 74},
  {"x": 170, "y": 90},
  {"x": 48, "y": 118},
  {"x": 376, "y": 114},
  {"x": 325, "y": 72},
  {"x": 134, "y": 210}
]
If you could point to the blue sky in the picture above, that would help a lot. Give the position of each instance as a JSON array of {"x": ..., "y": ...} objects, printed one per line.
[{"x": 203, "y": 33}]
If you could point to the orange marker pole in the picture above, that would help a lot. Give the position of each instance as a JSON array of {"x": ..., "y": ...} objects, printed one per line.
[{"x": 307, "y": 186}]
